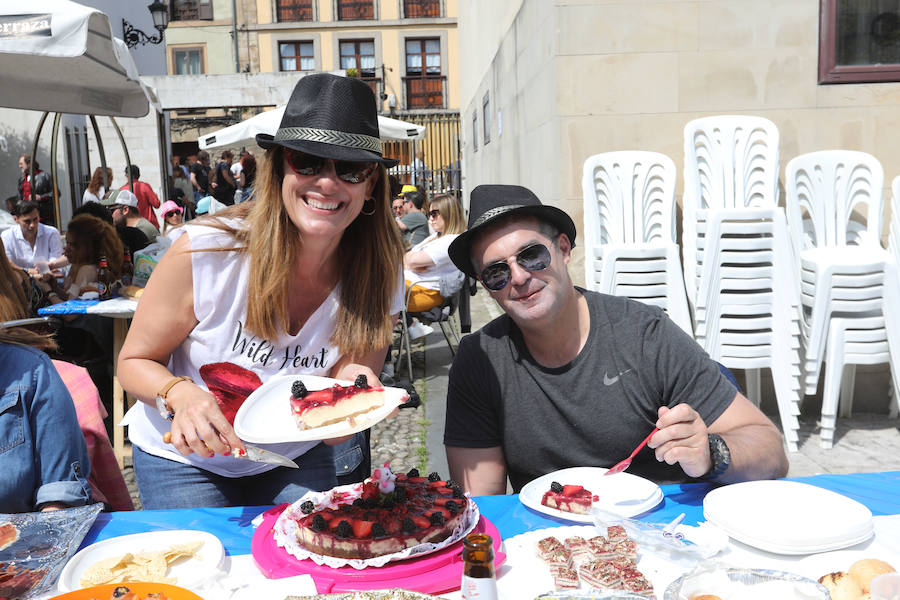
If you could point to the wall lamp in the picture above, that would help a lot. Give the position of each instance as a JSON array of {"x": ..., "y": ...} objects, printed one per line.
[{"x": 134, "y": 36}]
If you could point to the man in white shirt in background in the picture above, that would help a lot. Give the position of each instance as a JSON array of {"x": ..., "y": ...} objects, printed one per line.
[{"x": 32, "y": 244}]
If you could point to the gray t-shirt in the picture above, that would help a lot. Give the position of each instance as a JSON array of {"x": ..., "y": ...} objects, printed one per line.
[
  {"x": 148, "y": 229},
  {"x": 416, "y": 227},
  {"x": 591, "y": 412}
]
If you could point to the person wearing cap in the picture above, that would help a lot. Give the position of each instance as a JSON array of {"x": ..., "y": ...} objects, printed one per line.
[
  {"x": 124, "y": 208},
  {"x": 147, "y": 198},
  {"x": 172, "y": 215},
  {"x": 568, "y": 377},
  {"x": 413, "y": 223},
  {"x": 306, "y": 279}
]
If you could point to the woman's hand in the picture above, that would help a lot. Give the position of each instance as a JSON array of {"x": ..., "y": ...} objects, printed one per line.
[{"x": 199, "y": 425}]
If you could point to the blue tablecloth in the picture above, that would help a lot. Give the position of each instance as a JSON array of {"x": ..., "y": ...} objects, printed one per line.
[
  {"x": 880, "y": 492},
  {"x": 69, "y": 307}
]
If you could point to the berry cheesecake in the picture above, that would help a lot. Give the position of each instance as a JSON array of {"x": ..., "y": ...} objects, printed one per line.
[
  {"x": 392, "y": 513},
  {"x": 332, "y": 405},
  {"x": 569, "y": 498}
]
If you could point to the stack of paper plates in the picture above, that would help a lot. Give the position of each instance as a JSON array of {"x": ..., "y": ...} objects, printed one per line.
[{"x": 787, "y": 517}]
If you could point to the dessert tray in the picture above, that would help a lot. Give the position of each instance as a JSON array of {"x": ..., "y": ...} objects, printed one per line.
[
  {"x": 106, "y": 591},
  {"x": 265, "y": 417},
  {"x": 624, "y": 494},
  {"x": 433, "y": 573}
]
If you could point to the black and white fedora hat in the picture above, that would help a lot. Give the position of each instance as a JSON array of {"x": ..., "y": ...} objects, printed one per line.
[
  {"x": 331, "y": 117},
  {"x": 490, "y": 202}
]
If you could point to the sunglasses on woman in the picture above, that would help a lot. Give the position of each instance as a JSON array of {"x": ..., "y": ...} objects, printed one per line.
[
  {"x": 533, "y": 258},
  {"x": 347, "y": 170},
  {"x": 434, "y": 214},
  {"x": 171, "y": 214}
]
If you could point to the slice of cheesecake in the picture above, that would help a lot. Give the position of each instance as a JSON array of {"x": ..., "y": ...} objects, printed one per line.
[
  {"x": 568, "y": 498},
  {"x": 335, "y": 404}
]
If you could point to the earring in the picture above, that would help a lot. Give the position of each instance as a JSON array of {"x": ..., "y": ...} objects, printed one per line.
[{"x": 371, "y": 212}]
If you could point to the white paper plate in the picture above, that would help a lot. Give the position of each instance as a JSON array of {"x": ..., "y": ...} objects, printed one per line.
[
  {"x": 524, "y": 575},
  {"x": 817, "y": 565},
  {"x": 188, "y": 572},
  {"x": 266, "y": 417},
  {"x": 788, "y": 517},
  {"x": 623, "y": 493}
]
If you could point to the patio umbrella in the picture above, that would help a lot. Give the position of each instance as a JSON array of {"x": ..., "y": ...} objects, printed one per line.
[
  {"x": 267, "y": 122},
  {"x": 59, "y": 56}
]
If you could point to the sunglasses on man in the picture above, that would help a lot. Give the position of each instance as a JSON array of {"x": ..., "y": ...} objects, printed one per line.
[
  {"x": 533, "y": 258},
  {"x": 346, "y": 170}
]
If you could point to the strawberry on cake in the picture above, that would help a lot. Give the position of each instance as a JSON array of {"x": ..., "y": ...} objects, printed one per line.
[
  {"x": 335, "y": 404},
  {"x": 392, "y": 513},
  {"x": 569, "y": 498}
]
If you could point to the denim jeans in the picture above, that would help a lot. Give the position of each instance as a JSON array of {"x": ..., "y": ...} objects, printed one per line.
[{"x": 164, "y": 483}]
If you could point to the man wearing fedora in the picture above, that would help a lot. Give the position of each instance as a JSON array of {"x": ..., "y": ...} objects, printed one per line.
[{"x": 568, "y": 377}]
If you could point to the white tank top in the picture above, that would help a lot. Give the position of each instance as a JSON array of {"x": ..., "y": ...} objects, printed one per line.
[{"x": 220, "y": 286}]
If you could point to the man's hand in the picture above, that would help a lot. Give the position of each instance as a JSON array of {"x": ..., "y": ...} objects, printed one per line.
[{"x": 682, "y": 438}]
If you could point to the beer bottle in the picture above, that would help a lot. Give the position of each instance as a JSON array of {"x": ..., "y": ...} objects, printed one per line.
[
  {"x": 478, "y": 581},
  {"x": 104, "y": 280},
  {"x": 127, "y": 268}
]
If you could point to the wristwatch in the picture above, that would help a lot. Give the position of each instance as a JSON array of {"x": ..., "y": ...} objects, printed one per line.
[
  {"x": 162, "y": 405},
  {"x": 719, "y": 455}
]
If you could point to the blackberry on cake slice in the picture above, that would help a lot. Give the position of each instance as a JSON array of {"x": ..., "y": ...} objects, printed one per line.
[
  {"x": 318, "y": 408},
  {"x": 569, "y": 498}
]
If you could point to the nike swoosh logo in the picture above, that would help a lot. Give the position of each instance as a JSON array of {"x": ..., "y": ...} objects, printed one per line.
[{"x": 607, "y": 380}]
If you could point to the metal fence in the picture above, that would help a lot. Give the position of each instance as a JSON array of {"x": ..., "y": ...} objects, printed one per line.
[{"x": 433, "y": 162}]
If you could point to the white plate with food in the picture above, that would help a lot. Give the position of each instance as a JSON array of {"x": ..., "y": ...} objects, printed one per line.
[
  {"x": 624, "y": 494},
  {"x": 525, "y": 575},
  {"x": 788, "y": 517},
  {"x": 181, "y": 557},
  {"x": 859, "y": 565},
  {"x": 266, "y": 417}
]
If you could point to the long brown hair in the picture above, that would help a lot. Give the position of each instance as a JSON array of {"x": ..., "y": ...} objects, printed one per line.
[
  {"x": 369, "y": 254},
  {"x": 451, "y": 212},
  {"x": 95, "y": 238},
  {"x": 13, "y": 301},
  {"x": 97, "y": 180}
]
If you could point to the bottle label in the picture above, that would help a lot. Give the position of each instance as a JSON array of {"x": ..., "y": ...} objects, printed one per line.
[
  {"x": 480, "y": 588},
  {"x": 101, "y": 289}
]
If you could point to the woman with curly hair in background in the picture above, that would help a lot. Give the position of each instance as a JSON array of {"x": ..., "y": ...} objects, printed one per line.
[{"x": 87, "y": 239}]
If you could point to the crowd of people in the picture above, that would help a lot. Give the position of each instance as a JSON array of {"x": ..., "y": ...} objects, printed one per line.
[{"x": 312, "y": 276}]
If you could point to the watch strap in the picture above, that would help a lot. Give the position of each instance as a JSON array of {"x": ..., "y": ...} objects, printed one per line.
[
  {"x": 719, "y": 455},
  {"x": 161, "y": 403}
]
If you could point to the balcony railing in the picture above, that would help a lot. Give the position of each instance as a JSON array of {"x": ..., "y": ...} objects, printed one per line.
[
  {"x": 415, "y": 9},
  {"x": 190, "y": 10},
  {"x": 425, "y": 92},
  {"x": 294, "y": 10},
  {"x": 352, "y": 10}
]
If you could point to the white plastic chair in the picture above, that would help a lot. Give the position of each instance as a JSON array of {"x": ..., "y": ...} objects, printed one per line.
[
  {"x": 840, "y": 261},
  {"x": 894, "y": 238},
  {"x": 629, "y": 228}
]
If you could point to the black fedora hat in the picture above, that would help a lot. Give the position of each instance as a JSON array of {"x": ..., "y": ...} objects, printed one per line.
[
  {"x": 332, "y": 117},
  {"x": 490, "y": 202}
]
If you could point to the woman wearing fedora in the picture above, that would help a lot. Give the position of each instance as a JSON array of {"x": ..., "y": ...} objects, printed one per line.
[{"x": 306, "y": 280}]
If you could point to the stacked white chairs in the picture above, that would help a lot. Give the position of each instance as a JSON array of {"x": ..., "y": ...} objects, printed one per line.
[
  {"x": 738, "y": 256},
  {"x": 846, "y": 278},
  {"x": 894, "y": 237},
  {"x": 629, "y": 230}
]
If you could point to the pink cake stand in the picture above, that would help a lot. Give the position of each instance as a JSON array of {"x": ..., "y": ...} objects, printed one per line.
[{"x": 433, "y": 573}]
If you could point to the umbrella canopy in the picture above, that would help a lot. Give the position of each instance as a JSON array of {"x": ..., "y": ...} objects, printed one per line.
[
  {"x": 244, "y": 133},
  {"x": 59, "y": 56}
]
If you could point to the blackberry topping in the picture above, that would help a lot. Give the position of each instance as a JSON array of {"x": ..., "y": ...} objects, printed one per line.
[
  {"x": 370, "y": 503},
  {"x": 298, "y": 390},
  {"x": 307, "y": 507},
  {"x": 452, "y": 506},
  {"x": 344, "y": 529},
  {"x": 408, "y": 526},
  {"x": 361, "y": 382},
  {"x": 457, "y": 492},
  {"x": 556, "y": 487},
  {"x": 436, "y": 518},
  {"x": 388, "y": 503},
  {"x": 433, "y": 476},
  {"x": 318, "y": 523},
  {"x": 359, "y": 502},
  {"x": 451, "y": 484},
  {"x": 345, "y": 508},
  {"x": 400, "y": 493},
  {"x": 378, "y": 530},
  {"x": 413, "y": 473}
]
